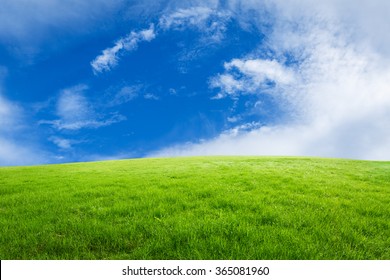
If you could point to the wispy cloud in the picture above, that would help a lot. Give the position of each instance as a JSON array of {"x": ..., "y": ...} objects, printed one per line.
[
  {"x": 15, "y": 146},
  {"x": 80, "y": 124},
  {"x": 75, "y": 112},
  {"x": 210, "y": 22},
  {"x": 151, "y": 96},
  {"x": 72, "y": 105},
  {"x": 8, "y": 114},
  {"x": 251, "y": 76},
  {"x": 182, "y": 18},
  {"x": 124, "y": 95},
  {"x": 61, "y": 142},
  {"x": 109, "y": 57}
]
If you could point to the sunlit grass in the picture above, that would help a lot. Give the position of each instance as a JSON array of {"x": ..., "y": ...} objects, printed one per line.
[{"x": 197, "y": 208}]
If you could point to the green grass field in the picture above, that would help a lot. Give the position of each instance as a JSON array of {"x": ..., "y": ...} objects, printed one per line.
[{"x": 197, "y": 208}]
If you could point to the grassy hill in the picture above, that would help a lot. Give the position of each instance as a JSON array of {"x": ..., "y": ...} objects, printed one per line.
[{"x": 197, "y": 208}]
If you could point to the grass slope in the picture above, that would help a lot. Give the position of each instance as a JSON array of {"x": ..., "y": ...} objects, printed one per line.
[{"x": 197, "y": 208}]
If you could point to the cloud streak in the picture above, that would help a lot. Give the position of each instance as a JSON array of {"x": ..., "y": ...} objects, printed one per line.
[
  {"x": 75, "y": 112},
  {"x": 183, "y": 18},
  {"x": 124, "y": 95},
  {"x": 110, "y": 56},
  {"x": 210, "y": 22}
]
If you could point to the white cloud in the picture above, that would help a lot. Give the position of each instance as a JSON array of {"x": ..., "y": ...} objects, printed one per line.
[
  {"x": 14, "y": 152},
  {"x": 151, "y": 96},
  {"x": 16, "y": 144},
  {"x": 8, "y": 114},
  {"x": 109, "y": 57},
  {"x": 75, "y": 112},
  {"x": 337, "y": 90},
  {"x": 61, "y": 142},
  {"x": 182, "y": 18},
  {"x": 228, "y": 85},
  {"x": 264, "y": 141},
  {"x": 124, "y": 95},
  {"x": 260, "y": 70},
  {"x": 250, "y": 76},
  {"x": 210, "y": 21},
  {"x": 72, "y": 105},
  {"x": 366, "y": 22},
  {"x": 80, "y": 124}
]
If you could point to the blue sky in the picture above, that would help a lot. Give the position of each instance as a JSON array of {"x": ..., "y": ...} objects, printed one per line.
[{"x": 94, "y": 80}]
